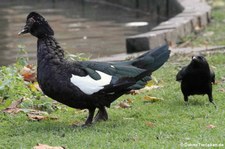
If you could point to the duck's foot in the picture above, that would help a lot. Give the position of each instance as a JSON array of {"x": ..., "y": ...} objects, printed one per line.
[
  {"x": 186, "y": 103},
  {"x": 214, "y": 104},
  {"x": 102, "y": 115}
]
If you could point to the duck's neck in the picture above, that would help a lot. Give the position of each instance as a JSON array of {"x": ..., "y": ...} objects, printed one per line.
[{"x": 49, "y": 50}]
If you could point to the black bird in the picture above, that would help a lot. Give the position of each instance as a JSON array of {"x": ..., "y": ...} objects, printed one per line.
[
  {"x": 87, "y": 84},
  {"x": 196, "y": 78}
]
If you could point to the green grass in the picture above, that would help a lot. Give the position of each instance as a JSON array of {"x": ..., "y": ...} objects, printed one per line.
[
  {"x": 167, "y": 123},
  {"x": 163, "y": 124}
]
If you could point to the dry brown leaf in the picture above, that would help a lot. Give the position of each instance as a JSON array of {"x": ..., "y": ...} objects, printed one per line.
[
  {"x": 150, "y": 124},
  {"x": 36, "y": 117},
  {"x": 45, "y": 146},
  {"x": 13, "y": 108},
  {"x": 129, "y": 101},
  {"x": 124, "y": 105},
  {"x": 28, "y": 73},
  {"x": 210, "y": 126},
  {"x": 149, "y": 88},
  {"x": 222, "y": 89},
  {"x": 39, "y": 115},
  {"x": 134, "y": 92}
]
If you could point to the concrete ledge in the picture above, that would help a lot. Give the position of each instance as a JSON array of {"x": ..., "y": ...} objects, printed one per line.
[
  {"x": 195, "y": 16},
  {"x": 174, "y": 51}
]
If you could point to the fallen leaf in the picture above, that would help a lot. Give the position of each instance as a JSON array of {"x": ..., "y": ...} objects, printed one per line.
[
  {"x": 35, "y": 87},
  {"x": 150, "y": 124},
  {"x": 39, "y": 115},
  {"x": 28, "y": 73},
  {"x": 128, "y": 118},
  {"x": 211, "y": 126},
  {"x": 149, "y": 88},
  {"x": 44, "y": 146},
  {"x": 38, "y": 112},
  {"x": 129, "y": 100},
  {"x": 13, "y": 108},
  {"x": 36, "y": 117},
  {"x": 77, "y": 124},
  {"x": 124, "y": 105},
  {"x": 134, "y": 92},
  {"x": 222, "y": 90},
  {"x": 150, "y": 83},
  {"x": 151, "y": 99}
]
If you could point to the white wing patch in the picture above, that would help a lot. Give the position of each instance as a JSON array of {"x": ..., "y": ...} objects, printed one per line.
[{"x": 88, "y": 85}]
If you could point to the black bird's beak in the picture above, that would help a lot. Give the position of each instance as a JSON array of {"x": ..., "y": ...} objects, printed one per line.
[
  {"x": 24, "y": 31},
  {"x": 194, "y": 57}
]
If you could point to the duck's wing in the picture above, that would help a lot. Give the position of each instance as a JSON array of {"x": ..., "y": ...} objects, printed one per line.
[
  {"x": 104, "y": 77},
  {"x": 122, "y": 75},
  {"x": 108, "y": 77}
]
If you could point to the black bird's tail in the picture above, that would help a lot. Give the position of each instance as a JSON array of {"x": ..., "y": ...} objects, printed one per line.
[
  {"x": 153, "y": 59},
  {"x": 148, "y": 62}
]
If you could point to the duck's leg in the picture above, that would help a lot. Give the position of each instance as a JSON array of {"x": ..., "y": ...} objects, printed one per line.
[
  {"x": 90, "y": 117},
  {"x": 101, "y": 115},
  {"x": 186, "y": 100},
  {"x": 211, "y": 100}
]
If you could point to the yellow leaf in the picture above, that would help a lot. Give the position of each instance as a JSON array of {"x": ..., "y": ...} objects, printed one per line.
[
  {"x": 35, "y": 87},
  {"x": 151, "y": 99},
  {"x": 32, "y": 87},
  {"x": 150, "y": 83}
]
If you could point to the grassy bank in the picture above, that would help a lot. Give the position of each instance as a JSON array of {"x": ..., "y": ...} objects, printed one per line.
[{"x": 167, "y": 122}]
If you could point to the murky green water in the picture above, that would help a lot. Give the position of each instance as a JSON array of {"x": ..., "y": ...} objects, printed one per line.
[{"x": 80, "y": 26}]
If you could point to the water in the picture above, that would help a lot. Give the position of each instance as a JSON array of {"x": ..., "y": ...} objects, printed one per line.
[{"x": 80, "y": 26}]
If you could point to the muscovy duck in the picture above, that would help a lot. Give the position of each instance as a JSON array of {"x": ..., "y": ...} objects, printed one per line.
[
  {"x": 87, "y": 84},
  {"x": 196, "y": 78}
]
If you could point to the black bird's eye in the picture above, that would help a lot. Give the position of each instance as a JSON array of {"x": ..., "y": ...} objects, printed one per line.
[{"x": 201, "y": 58}]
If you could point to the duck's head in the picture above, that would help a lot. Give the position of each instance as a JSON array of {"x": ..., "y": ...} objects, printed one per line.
[{"x": 37, "y": 26}]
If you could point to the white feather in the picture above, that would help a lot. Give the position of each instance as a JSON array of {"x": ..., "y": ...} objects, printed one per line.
[{"x": 88, "y": 85}]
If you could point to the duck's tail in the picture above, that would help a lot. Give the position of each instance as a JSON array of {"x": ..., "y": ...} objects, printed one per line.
[{"x": 153, "y": 59}]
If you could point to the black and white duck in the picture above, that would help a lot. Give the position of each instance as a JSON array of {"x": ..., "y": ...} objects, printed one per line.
[{"x": 87, "y": 84}]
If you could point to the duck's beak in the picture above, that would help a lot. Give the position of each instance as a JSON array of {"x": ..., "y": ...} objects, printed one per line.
[{"x": 24, "y": 31}]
